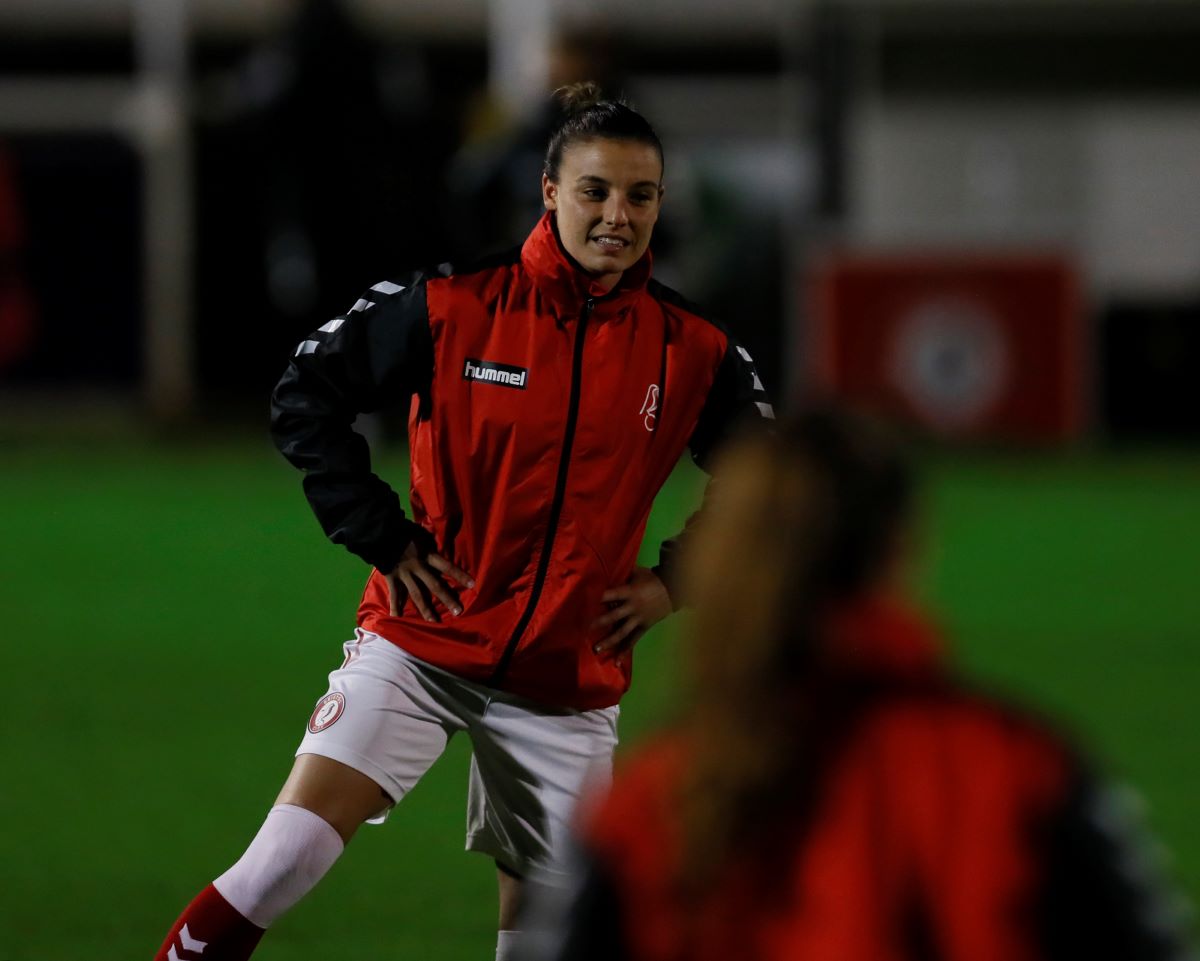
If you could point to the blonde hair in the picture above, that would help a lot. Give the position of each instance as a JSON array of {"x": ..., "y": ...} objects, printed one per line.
[{"x": 799, "y": 520}]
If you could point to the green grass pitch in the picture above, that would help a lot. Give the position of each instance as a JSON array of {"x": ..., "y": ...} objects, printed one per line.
[{"x": 168, "y": 617}]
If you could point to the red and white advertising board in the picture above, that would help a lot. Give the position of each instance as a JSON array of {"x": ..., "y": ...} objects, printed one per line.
[{"x": 964, "y": 345}]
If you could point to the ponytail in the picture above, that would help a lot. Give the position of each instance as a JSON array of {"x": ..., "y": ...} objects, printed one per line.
[{"x": 801, "y": 521}]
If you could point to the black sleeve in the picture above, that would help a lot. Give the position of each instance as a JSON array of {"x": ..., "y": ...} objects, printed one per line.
[
  {"x": 580, "y": 922},
  {"x": 380, "y": 352},
  {"x": 737, "y": 401},
  {"x": 1104, "y": 896}
]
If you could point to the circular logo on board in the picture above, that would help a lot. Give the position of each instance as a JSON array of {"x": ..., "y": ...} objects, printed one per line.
[
  {"x": 327, "y": 711},
  {"x": 950, "y": 359}
]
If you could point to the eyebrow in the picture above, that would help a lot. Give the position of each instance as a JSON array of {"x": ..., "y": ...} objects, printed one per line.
[{"x": 592, "y": 179}]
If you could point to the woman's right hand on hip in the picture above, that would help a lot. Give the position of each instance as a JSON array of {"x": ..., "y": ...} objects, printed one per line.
[{"x": 420, "y": 575}]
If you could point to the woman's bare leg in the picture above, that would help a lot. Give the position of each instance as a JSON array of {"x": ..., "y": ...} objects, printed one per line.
[{"x": 339, "y": 795}]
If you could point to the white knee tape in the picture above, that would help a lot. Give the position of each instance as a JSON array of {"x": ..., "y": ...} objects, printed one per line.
[{"x": 289, "y": 855}]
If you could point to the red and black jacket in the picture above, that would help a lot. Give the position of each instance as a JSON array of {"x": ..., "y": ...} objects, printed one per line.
[
  {"x": 945, "y": 827},
  {"x": 545, "y": 415}
]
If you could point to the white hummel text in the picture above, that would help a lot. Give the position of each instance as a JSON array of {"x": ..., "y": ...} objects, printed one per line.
[{"x": 493, "y": 373}]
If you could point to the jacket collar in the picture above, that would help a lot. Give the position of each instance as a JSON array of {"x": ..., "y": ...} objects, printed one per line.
[
  {"x": 885, "y": 638},
  {"x": 567, "y": 287}
]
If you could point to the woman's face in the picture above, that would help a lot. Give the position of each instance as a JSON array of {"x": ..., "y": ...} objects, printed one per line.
[{"x": 606, "y": 201}]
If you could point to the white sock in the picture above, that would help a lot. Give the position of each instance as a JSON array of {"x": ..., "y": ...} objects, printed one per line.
[
  {"x": 289, "y": 855},
  {"x": 506, "y": 945}
]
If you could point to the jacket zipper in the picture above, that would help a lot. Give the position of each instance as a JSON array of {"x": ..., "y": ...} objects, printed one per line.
[{"x": 560, "y": 490}]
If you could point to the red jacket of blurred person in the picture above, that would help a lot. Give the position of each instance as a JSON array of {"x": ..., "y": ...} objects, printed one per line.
[
  {"x": 947, "y": 826},
  {"x": 883, "y": 809}
]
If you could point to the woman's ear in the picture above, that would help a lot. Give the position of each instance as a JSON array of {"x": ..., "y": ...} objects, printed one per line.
[{"x": 549, "y": 193}]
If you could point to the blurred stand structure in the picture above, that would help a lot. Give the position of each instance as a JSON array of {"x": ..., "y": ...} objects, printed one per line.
[
  {"x": 1060, "y": 129},
  {"x": 320, "y": 154},
  {"x": 18, "y": 315},
  {"x": 194, "y": 168},
  {"x": 311, "y": 144},
  {"x": 146, "y": 112}
]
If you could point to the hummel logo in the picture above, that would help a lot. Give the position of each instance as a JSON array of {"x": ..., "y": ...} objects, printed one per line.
[{"x": 492, "y": 373}]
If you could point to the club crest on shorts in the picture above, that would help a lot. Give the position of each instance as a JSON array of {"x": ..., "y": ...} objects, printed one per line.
[{"x": 327, "y": 711}]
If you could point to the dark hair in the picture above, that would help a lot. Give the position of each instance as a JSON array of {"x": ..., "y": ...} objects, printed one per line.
[
  {"x": 588, "y": 115},
  {"x": 803, "y": 520}
]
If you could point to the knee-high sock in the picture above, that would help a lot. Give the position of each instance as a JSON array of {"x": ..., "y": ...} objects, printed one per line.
[{"x": 289, "y": 855}]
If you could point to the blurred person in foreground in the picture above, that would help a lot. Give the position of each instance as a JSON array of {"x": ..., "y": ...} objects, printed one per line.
[
  {"x": 835, "y": 792},
  {"x": 551, "y": 391}
]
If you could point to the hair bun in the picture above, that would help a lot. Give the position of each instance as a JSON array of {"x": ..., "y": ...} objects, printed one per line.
[
  {"x": 574, "y": 98},
  {"x": 586, "y": 114}
]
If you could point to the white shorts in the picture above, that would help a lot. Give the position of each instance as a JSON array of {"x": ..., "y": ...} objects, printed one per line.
[{"x": 389, "y": 716}]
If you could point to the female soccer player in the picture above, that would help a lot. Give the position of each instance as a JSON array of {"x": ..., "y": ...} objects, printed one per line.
[
  {"x": 835, "y": 793},
  {"x": 551, "y": 392}
]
